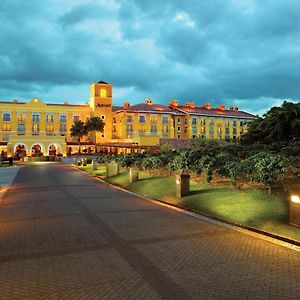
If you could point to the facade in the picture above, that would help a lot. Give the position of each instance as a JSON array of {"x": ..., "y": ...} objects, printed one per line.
[{"x": 37, "y": 128}]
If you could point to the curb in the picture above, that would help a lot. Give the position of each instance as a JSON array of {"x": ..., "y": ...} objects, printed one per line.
[{"x": 254, "y": 232}]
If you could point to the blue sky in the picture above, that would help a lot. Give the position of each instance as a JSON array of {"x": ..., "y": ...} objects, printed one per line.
[{"x": 237, "y": 52}]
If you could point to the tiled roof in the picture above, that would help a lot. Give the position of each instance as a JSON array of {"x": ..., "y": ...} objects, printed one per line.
[
  {"x": 216, "y": 112},
  {"x": 144, "y": 107}
]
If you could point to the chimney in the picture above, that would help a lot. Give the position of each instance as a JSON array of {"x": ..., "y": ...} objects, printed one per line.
[
  {"x": 149, "y": 101},
  {"x": 236, "y": 108},
  {"x": 173, "y": 103},
  {"x": 207, "y": 106},
  {"x": 222, "y": 107},
  {"x": 126, "y": 104},
  {"x": 231, "y": 108},
  {"x": 190, "y": 104},
  {"x": 15, "y": 101}
]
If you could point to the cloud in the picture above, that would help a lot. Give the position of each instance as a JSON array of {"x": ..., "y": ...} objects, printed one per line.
[{"x": 239, "y": 51}]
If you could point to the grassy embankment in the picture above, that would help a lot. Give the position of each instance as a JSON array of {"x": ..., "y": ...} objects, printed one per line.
[{"x": 250, "y": 207}]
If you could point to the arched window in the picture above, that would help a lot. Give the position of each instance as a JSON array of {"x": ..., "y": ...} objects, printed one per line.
[{"x": 102, "y": 93}]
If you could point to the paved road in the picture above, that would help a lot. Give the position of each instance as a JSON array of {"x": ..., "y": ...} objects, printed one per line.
[{"x": 64, "y": 235}]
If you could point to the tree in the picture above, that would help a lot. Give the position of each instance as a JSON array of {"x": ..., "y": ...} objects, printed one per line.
[
  {"x": 94, "y": 124},
  {"x": 206, "y": 164},
  {"x": 277, "y": 125},
  {"x": 269, "y": 168},
  {"x": 79, "y": 130},
  {"x": 233, "y": 169}
]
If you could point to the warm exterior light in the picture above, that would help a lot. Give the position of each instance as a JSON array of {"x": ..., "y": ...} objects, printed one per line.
[
  {"x": 295, "y": 198},
  {"x": 177, "y": 181}
]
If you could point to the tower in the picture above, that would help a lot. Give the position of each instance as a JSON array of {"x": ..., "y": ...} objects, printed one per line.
[{"x": 101, "y": 106}]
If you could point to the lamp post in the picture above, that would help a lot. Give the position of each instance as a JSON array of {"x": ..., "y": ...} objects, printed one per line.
[{"x": 295, "y": 210}]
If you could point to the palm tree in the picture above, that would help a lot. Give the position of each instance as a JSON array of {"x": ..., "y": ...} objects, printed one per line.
[
  {"x": 79, "y": 130},
  {"x": 94, "y": 124}
]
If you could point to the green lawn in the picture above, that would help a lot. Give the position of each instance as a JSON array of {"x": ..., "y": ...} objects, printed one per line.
[
  {"x": 101, "y": 170},
  {"x": 4, "y": 164},
  {"x": 251, "y": 207}
]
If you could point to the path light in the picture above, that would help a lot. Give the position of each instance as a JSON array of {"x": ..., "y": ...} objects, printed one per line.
[
  {"x": 295, "y": 198},
  {"x": 295, "y": 210}
]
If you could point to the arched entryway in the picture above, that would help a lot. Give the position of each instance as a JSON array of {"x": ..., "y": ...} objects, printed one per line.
[
  {"x": 20, "y": 151},
  {"x": 54, "y": 149},
  {"x": 37, "y": 150}
]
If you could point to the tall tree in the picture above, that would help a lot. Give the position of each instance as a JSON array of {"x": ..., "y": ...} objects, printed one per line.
[
  {"x": 93, "y": 125},
  {"x": 79, "y": 130},
  {"x": 279, "y": 124}
]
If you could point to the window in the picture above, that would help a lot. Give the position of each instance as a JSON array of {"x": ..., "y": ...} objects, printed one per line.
[
  {"x": 194, "y": 120},
  {"x": 21, "y": 117},
  {"x": 227, "y": 131},
  {"x": 165, "y": 129},
  {"x": 129, "y": 119},
  {"x": 153, "y": 128},
  {"x": 35, "y": 117},
  {"x": 203, "y": 121},
  {"x": 49, "y": 129},
  {"x": 103, "y": 93},
  {"x": 62, "y": 118},
  {"x": 234, "y": 123},
  {"x": 6, "y": 117},
  {"x": 178, "y": 136},
  {"x": 142, "y": 119},
  {"x": 211, "y": 121},
  {"x": 185, "y": 121},
  {"x": 129, "y": 128},
  {"x": 178, "y": 129},
  {"x": 6, "y": 127},
  {"x": 114, "y": 120},
  {"x": 165, "y": 119},
  {"x": 5, "y": 137},
  {"x": 219, "y": 130},
  {"x": 142, "y": 130},
  {"x": 153, "y": 119},
  {"x": 103, "y": 117},
  {"x": 62, "y": 127},
  {"x": 178, "y": 120},
  {"x": 21, "y": 128},
  {"x": 211, "y": 131},
  {"x": 202, "y": 129},
  {"x": 227, "y": 122},
  {"x": 76, "y": 118},
  {"x": 234, "y": 131},
  {"x": 194, "y": 130},
  {"x": 114, "y": 129},
  {"x": 242, "y": 123},
  {"x": 49, "y": 118},
  {"x": 35, "y": 129}
]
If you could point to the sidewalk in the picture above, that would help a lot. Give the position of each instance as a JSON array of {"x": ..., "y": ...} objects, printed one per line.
[{"x": 7, "y": 176}]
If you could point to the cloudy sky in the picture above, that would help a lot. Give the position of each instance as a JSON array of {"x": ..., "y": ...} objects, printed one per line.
[{"x": 237, "y": 52}]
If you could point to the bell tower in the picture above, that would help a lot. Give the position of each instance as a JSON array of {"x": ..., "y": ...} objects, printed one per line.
[{"x": 101, "y": 106}]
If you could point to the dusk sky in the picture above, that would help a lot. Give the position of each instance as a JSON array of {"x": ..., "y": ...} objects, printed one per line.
[{"x": 237, "y": 52}]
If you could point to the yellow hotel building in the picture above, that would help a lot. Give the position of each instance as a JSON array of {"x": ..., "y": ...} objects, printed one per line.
[{"x": 38, "y": 128}]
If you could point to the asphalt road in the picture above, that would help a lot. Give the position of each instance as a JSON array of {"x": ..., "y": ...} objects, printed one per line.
[{"x": 65, "y": 235}]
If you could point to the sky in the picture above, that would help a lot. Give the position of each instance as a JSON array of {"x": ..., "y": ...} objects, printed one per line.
[{"x": 243, "y": 53}]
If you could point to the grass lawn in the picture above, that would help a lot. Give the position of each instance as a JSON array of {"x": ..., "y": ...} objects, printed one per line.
[
  {"x": 250, "y": 207},
  {"x": 4, "y": 164}
]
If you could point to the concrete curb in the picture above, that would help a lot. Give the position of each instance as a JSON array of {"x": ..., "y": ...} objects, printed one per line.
[{"x": 254, "y": 232}]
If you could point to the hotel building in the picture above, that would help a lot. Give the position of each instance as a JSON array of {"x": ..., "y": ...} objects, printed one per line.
[{"x": 39, "y": 128}]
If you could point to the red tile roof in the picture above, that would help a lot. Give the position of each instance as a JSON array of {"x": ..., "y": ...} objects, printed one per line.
[
  {"x": 215, "y": 112},
  {"x": 144, "y": 107}
]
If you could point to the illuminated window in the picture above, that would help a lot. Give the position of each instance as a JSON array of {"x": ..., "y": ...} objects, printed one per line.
[
  {"x": 21, "y": 117},
  {"x": 103, "y": 93},
  {"x": 35, "y": 127},
  {"x": 194, "y": 121},
  {"x": 202, "y": 129},
  {"x": 153, "y": 119},
  {"x": 129, "y": 128},
  {"x": 203, "y": 122},
  {"x": 6, "y": 127},
  {"x": 49, "y": 129},
  {"x": 227, "y": 122},
  {"x": 6, "y": 117},
  {"x": 49, "y": 118}
]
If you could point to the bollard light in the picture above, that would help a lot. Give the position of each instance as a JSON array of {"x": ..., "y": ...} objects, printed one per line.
[{"x": 295, "y": 198}]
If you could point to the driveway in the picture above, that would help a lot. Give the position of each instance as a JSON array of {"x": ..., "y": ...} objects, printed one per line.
[{"x": 65, "y": 235}]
